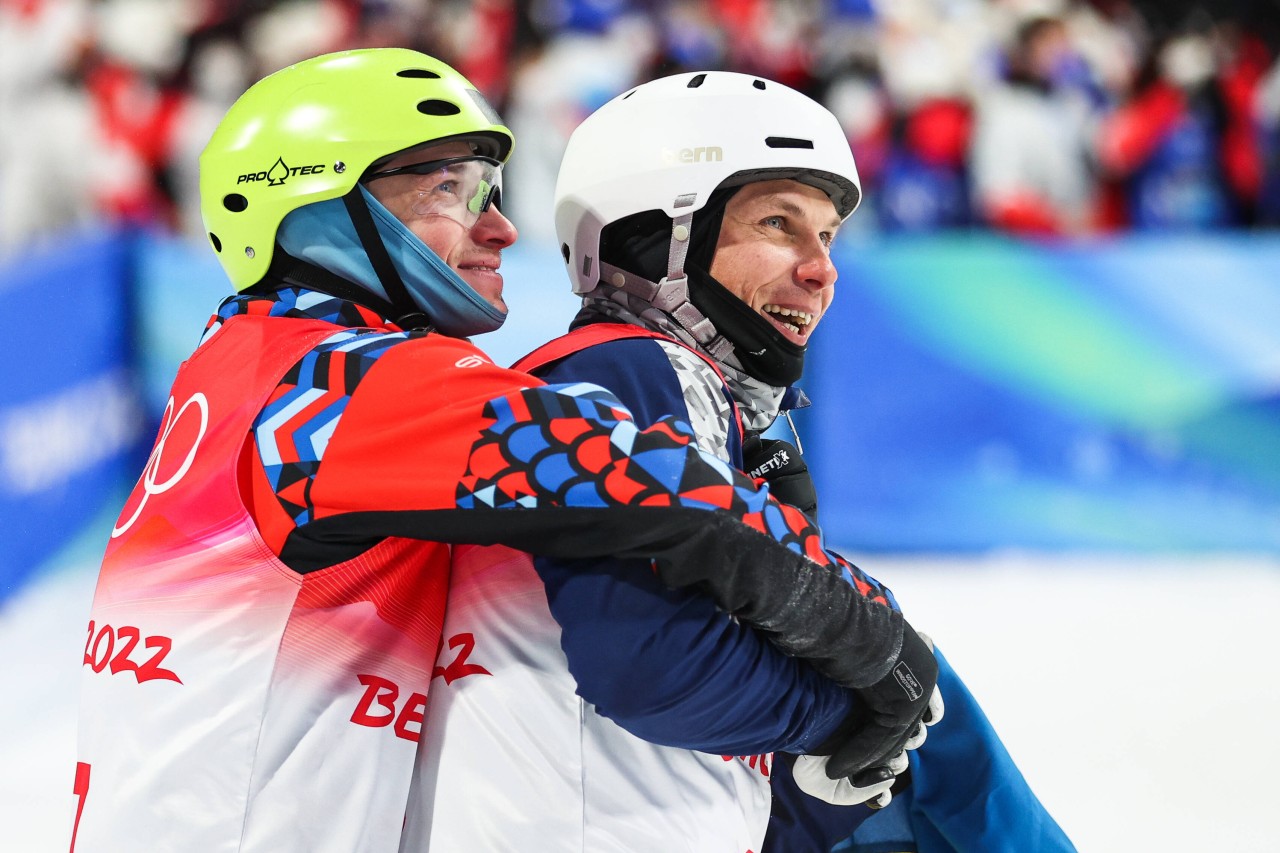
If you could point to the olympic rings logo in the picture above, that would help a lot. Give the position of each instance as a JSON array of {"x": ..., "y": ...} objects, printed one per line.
[{"x": 148, "y": 480}]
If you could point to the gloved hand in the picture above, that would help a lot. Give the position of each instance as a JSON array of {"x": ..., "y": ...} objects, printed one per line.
[
  {"x": 779, "y": 464},
  {"x": 870, "y": 787},
  {"x": 892, "y": 713}
]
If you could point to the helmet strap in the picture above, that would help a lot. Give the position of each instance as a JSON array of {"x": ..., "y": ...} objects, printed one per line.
[
  {"x": 681, "y": 230},
  {"x": 673, "y": 291},
  {"x": 760, "y": 349},
  {"x": 409, "y": 315}
]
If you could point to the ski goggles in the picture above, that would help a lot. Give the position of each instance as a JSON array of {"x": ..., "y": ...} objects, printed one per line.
[{"x": 459, "y": 188}]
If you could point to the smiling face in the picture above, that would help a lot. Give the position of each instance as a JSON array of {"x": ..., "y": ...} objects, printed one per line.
[
  {"x": 774, "y": 253},
  {"x": 473, "y": 251}
]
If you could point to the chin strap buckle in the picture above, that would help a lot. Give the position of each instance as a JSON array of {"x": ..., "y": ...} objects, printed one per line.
[{"x": 671, "y": 295}]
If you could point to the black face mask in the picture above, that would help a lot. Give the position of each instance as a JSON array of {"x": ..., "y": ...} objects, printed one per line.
[
  {"x": 762, "y": 350},
  {"x": 640, "y": 245}
]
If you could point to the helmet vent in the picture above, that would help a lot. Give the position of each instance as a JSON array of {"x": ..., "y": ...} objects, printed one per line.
[
  {"x": 420, "y": 73},
  {"x": 586, "y": 265},
  {"x": 438, "y": 108},
  {"x": 629, "y": 94},
  {"x": 235, "y": 202},
  {"x": 564, "y": 252},
  {"x": 787, "y": 142},
  {"x": 759, "y": 84},
  {"x": 217, "y": 244},
  {"x": 697, "y": 81}
]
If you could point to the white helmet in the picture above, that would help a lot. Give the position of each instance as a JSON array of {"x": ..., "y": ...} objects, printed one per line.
[{"x": 667, "y": 144}]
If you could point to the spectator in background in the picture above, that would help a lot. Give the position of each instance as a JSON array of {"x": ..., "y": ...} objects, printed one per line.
[
  {"x": 115, "y": 98},
  {"x": 45, "y": 163},
  {"x": 1030, "y": 160},
  {"x": 925, "y": 180},
  {"x": 1244, "y": 60},
  {"x": 851, "y": 86},
  {"x": 1267, "y": 110},
  {"x": 578, "y": 62},
  {"x": 926, "y": 60},
  {"x": 856, "y": 96},
  {"x": 1183, "y": 142}
]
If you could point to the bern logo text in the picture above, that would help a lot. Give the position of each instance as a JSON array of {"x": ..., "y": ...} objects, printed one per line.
[{"x": 701, "y": 154}]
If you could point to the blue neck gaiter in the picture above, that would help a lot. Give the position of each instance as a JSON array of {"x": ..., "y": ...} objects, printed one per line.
[{"x": 322, "y": 234}]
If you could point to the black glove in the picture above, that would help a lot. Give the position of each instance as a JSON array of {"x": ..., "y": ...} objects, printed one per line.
[
  {"x": 779, "y": 464},
  {"x": 889, "y": 713}
]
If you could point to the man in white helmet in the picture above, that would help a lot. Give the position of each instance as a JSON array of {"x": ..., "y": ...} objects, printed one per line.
[
  {"x": 579, "y": 740},
  {"x": 696, "y": 215},
  {"x": 263, "y": 638}
]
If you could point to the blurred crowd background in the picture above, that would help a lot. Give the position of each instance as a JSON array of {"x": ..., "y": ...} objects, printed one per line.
[{"x": 1036, "y": 117}]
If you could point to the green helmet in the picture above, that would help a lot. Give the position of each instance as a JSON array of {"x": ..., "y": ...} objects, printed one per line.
[{"x": 308, "y": 132}]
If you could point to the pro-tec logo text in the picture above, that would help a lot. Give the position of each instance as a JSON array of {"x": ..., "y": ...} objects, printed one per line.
[{"x": 280, "y": 172}]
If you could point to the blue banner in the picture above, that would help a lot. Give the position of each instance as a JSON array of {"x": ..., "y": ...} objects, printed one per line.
[
  {"x": 71, "y": 427},
  {"x": 980, "y": 393},
  {"x": 971, "y": 393}
]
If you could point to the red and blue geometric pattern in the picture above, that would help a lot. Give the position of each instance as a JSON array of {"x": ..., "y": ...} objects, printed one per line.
[{"x": 576, "y": 446}]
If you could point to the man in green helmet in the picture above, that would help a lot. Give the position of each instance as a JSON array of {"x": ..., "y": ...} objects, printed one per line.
[{"x": 269, "y": 613}]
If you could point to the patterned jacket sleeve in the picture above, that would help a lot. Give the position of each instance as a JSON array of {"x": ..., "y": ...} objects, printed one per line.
[
  {"x": 668, "y": 665},
  {"x": 439, "y": 443}
]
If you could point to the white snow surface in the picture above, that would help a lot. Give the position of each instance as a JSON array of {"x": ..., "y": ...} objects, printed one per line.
[{"x": 1134, "y": 692}]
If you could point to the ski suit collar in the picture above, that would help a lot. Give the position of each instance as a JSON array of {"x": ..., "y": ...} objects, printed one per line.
[
  {"x": 299, "y": 303},
  {"x": 759, "y": 404}
]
